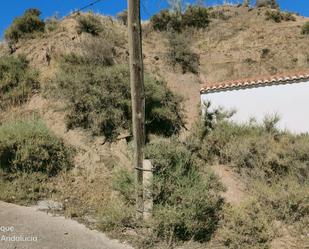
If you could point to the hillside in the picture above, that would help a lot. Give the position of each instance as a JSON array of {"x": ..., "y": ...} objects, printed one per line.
[
  {"x": 238, "y": 43},
  {"x": 223, "y": 172}
]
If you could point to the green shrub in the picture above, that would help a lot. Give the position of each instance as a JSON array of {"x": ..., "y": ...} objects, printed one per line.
[
  {"x": 123, "y": 17},
  {"x": 214, "y": 131},
  {"x": 95, "y": 51},
  {"x": 278, "y": 16},
  {"x": 116, "y": 214},
  {"x": 17, "y": 81},
  {"x": 23, "y": 188},
  {"x": 298, "y": 156},
  {"x": 269, "y": 155},
  {"x": 246, "y": 226},
  {"x": 265, "y": 53},
  {"x": 267, "y": 3},
  {"x": 28, "y": 147},
  {"x": 305, "y": 29},
  {"x": 51, "y": 24},
  {"x": 89, "y": 23},
  {"x": 123, "y": 182},
  {"x": 3, "y": 49},
  {"x": 162, "y": 20},
  {"x": 214, "y": 145},
  {"x": 25, "y": 25},
  {"x": 186, "y": 203},
  {"x": 180, "y": 53},
  {"x": 259, "y": 150},
  {"x": 286, "y": 200},
  {"x": 287, "y": 16},
  {"x": 100, "y": 100},
  {"x": 194, "y": 16},
  {"x": 257, "y": 155}
]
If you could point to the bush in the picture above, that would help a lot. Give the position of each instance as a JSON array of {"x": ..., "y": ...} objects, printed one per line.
[
  {"x": 123, "y": 17},
  {"x": 162, "y": 20},
  {"x": 278, "y": 16},
  {"x": 29, "y": 147},
  {"x": 194, "y": 16},
  {"x": 95, "y": 51},
  {"x": 247, "y": 226},
  {"x": 267, "y": 3},
  {"x": 276, "y": 164},
  {"x": 24, "y": 188},
  {"x": 116, "y": 215},
  {"x": 186, "y": 203},
  {"x": 17, "y": 81},
  {"x": 179, "y": 53},
  {"x": 286, "y": 200},
  {"x": 305, "y": 29},
  {"x": 123, "y": 182},
  {"x": 269, "y": 156},
  {"x": 89, "y": 23},
  {"x": 212, "y": 132},
  {"x": 100, "y": 100},
  {"x": 22, "y": 26},
  {"x": 261, "y": 151},
  {"x": 257, "y": 155},
  {"x": 51, "y": 24}
]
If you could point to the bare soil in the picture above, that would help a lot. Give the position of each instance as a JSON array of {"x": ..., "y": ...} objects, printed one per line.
[{"x": 235, "y": 186}]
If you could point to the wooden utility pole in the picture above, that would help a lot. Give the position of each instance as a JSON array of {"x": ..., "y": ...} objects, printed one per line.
[{"x": 138, "y": 98}]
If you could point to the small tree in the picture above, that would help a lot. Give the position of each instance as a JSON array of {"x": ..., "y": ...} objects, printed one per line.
[
  {"x": 195, "y": 16},
  {"x": 22, "y": 26},
  {"x": 17, "y": 81},
  {"x": 305, "y": 29},
  {"x": 123, "y": 17},
  {"x": 90, "y": 24}
]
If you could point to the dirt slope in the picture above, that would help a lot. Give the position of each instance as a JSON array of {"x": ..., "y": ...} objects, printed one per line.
[
  {"x": 235, "y": 186},
  {"x": 92, "y": 151}
]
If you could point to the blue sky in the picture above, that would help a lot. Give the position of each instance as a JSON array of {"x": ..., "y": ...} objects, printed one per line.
[{"x": 13, "y": 8}]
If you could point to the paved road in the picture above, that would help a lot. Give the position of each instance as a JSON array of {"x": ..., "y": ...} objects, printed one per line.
[{"x": 51, "y": 232}]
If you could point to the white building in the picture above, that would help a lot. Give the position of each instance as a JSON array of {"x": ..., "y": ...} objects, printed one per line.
[{"x": 285, "y": 95}]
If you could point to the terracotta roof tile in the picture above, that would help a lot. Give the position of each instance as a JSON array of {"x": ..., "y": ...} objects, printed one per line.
[{"x": 283, "y": 78}]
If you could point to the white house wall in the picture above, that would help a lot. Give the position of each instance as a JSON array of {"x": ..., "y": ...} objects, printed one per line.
[{"x": 290, "y": 102}]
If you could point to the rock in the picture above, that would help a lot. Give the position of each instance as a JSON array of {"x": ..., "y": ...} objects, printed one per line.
[
  {"x": 90, "y": 219},
  {"x": 47, "y": 205}
]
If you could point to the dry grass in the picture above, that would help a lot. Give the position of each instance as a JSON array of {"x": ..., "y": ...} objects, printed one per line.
[{"x": 227, "y": 46}]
